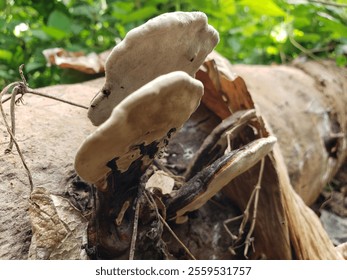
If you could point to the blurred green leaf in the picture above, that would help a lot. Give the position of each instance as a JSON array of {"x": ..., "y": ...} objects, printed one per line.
[
  {"x": 2, "y": 23},
  {"x": 121, "y": 8},
  {"x": 76, "y": 27},
  {"x": 5, "y": 55},
  {"x": 40, "y": 34},
  {"x": 55, "y": 33},
  {"x": 141, "y": 14},
  {"x": 272, "y": 50},
  {"x": 2, "y": 4},
  {"x": 84, "y": 10},
  {"x": 59, "y": 20},
  {"x": 4, "y": 75},
  {"x": 336, "y": 29},
  {"x": 308, "y": 37},
  {"x": 32, "y": 66},
  {"x": 121, "y": 30},
  {"x": 228, "y": 7},
  {"x": 235, "y": 45},
  {"x": 341, "y": 60},
  {"x": 138, "y": 15},
  {"x": 250, "y": 31},
  {"x": 265, "y": 7},
  {"x": 301, "y": 22}
]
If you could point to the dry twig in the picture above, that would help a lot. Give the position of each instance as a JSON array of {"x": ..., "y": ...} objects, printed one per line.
[
  {"x": 256, "y": 190},
  {"x": 26, "y": 89},
  {"x": 21, "y": 88},
  {"x": 176, "y": 237},
  {"x": 152, "y": 202},
  {"x": 253, "y": 200},
  {"x": 135, "y": 226},
  {"x": 9, "y": 130}
]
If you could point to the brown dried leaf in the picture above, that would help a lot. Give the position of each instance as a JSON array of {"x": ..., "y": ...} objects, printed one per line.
[
  {"x": 59, "y": 230},
  {"x": 225, "y": 92},
  {"x": 162, "y": 181},
  {"x": 91, "y": 63}
]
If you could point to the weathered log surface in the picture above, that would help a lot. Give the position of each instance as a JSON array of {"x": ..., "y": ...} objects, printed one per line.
[
  {"x": 49, "y": 134},
  {"x": 304, "y": 121},
  {"x": 306, "y": 107}
]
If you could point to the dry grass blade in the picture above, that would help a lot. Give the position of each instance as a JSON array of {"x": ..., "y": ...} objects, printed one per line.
[
  {"x": 176, "y": 237},
  {"x": 9, "y": 130},
  {"x": 152, "y": 202},
  {"x": 135, "y": 226},
  {"x": 21, "y": 88},
  {"x": 253, "y": 200},
  {"x": 255, "y": 208}
]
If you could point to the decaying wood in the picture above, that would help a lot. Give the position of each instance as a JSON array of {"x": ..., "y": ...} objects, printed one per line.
[
  {"x": 210, "y": 180},
  {"x": 279, "y": 206},
  {"x": 285, "y": 227},
  {"x": 212, "y": 146},
  {"x": 310, "y": 119}
]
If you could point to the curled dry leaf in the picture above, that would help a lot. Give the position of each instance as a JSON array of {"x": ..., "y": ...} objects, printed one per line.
[
  {"x": 162, "y": 181},
  {"x": 178, "y": 41},
  {"x": 91, "y": 63},
  {"x": 59, "y": 229}
]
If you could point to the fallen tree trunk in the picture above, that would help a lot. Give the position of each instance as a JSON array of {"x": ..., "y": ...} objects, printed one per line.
[
  {"x": 283, "y": 220},
  {"x": 307, "y": 113}
]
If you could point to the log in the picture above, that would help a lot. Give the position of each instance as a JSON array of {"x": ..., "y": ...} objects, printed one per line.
[
  {"x": 49, "y": 134},
  {"x": 303, "y": 117}
]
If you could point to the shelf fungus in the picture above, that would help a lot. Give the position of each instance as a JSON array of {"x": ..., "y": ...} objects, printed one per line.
[
  {"x": 178, "y": 41},
  {"x": 138, "y": 128},
  {"x": 205, "y": 184}
]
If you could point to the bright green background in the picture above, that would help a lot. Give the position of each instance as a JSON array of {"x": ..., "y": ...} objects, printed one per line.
[{"x": 251, "y": 31}]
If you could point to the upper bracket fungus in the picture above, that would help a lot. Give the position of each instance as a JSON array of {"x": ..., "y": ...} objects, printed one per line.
[
  {"x": 138, "y": 127},
  {"x": 178, "y": 41}
]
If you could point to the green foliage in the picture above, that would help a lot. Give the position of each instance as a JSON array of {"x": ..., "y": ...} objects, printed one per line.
[{"x": 257, "y": 32}]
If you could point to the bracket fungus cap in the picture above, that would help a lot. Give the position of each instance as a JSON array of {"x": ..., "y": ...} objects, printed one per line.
[
  {"x": 138, "y": 127},
  {"x": 178, "y": 41}
]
